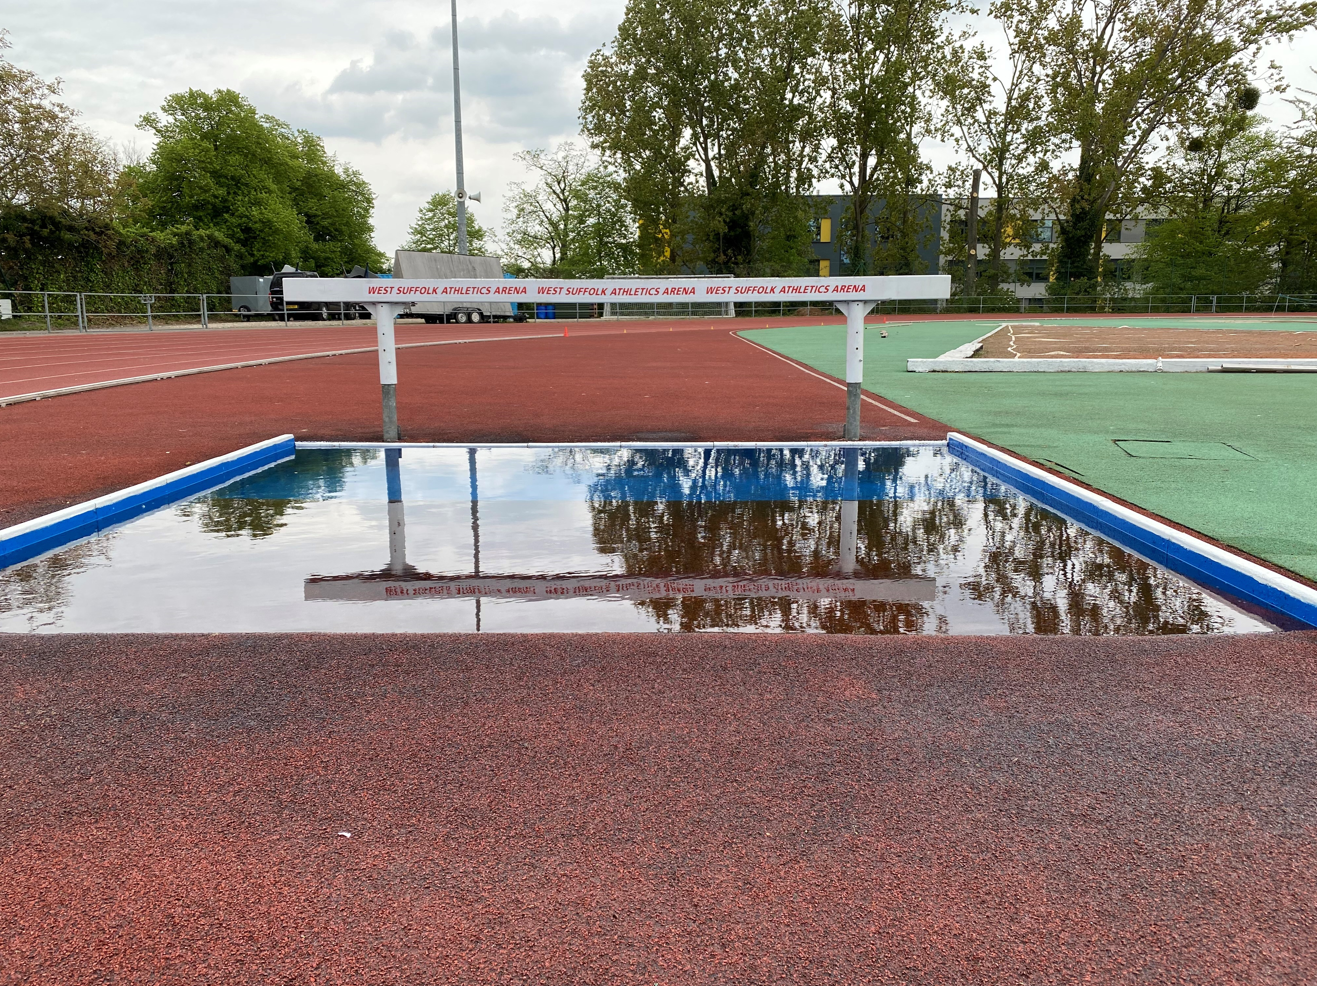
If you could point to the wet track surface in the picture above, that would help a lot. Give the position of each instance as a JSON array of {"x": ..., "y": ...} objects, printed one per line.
[{"x": 646, "y": 809}]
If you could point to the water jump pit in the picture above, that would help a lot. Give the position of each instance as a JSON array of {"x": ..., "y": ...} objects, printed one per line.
[{"x": 829, "y": 538}]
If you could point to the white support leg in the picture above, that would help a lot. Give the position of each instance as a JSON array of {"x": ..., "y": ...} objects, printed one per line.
[
  {"x": 854, "y": 312},
  {"x": 384, "y": 315}
]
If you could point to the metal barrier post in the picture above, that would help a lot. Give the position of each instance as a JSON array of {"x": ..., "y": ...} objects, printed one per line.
[
  {"x": 45, "y": 307},
  {"x": 855, "y": 312},
  {"x": 205, "y": 321},
  {"x": 81, "y": 305},
  {"x": 384, "y": 315}
]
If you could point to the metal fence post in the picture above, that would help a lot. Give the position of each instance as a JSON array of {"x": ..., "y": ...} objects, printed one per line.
[
  {"x": 80, "y": 303},
  {"x": 45, "y": 307},
  {"x": 205, "y": 323}
]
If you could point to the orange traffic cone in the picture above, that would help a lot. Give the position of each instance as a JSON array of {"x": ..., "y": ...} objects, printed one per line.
[{"x": 564, "y": 332}]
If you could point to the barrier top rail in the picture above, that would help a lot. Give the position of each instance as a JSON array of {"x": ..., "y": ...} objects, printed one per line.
[{"x": 830, "y": 289}]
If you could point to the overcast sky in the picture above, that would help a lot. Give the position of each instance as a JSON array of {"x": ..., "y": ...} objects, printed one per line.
[{"x": 373, "y": 77}]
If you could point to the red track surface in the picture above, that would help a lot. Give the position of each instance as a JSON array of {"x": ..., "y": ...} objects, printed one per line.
[
  {"x": 34, "y": 363},
  {"x": 607, "y": 809},
  {"x": 697, "y": 384}
]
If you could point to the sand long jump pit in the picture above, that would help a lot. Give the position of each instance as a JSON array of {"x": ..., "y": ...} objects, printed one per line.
[{"x": 1172, "y": 345}]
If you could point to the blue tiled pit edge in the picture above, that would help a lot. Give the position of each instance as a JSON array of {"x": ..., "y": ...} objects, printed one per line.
[
  {"x": 25, "y": 541},
  {"x": 1192, "y": 557}
]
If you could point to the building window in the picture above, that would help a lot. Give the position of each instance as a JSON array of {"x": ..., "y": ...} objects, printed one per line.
[
  {"x": 1150, "y": 226},
  {"x": 825, "y": 268},
  {"x": 1113, "y": 230},
  {"x": 1122, "y": 269},
  {"x": 1035, "y": 271},
  {"x": 1045, "y": 231}
]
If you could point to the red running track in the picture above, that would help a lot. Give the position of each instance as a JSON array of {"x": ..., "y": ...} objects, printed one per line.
[
  {"x": 612, "y": 383},
  {"x": 37, "y": 363},
  {"x": 658, "y": 810}
]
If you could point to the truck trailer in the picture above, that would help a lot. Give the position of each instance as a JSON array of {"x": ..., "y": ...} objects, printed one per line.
[{"x": 417, "y": 265}]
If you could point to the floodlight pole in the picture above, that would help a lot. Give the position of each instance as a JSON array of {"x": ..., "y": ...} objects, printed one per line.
[
  {"x": 855, "y": 312},
  {"x": 457, "y": 137},
  {"x": 385, "y": 313}
]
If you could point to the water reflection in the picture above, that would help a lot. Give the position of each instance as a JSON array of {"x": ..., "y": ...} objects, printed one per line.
[
  {"x": 1038, "y": 572},
  {"x": 1044, "y": 575},
  {"x": 257, "y": 506},
  {"x": 857, "y": 540},
  {"x": 38, "y": 590}
]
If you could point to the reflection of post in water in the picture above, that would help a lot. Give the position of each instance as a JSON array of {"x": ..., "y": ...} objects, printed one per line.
[
  {"x": 850, "y": 510},
  {"x": 475, "y": 525},
  {"x": 397, "y": 524}
]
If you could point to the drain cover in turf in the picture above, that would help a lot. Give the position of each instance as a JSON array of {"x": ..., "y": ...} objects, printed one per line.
[{"x": 1154, "y": 449}]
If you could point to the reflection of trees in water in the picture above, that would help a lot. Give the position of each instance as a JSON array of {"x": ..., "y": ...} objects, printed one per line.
[
  {"x": 40, "y": 588},
  {"x": 1045, "y": 575},
  {"x": 231, "y": 518},
  {"x": 896, "y": 538},
  {"x": 255, "y": 507},
  {"x": 793, "y": 534}
]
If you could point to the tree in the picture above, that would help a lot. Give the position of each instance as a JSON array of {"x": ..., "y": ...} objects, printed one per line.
[
  {"x": 1121, "y": 72},
  {"x": 883, "y": 64},
  {"x": 274, "y": 192},
  {"x": 1000, "y": 117},
  {"x": 1211, "y": 241},
  {"x": 46, "y": 159},
  {"x": 435, "y": 228},
  {"x": 708, "y": 109},
  {"x": 573, "y": 221},
  {"x": 1287, "y": 217}
]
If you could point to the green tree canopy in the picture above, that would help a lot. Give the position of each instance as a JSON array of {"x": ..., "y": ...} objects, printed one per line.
[
  {"x": 46, "y": 159},
  {"x": 573, "y": 220},
  {"x": 885, "y": 63},
  {"x": 1123, "y": 73},
  {"x": 709, "y": 111},
  {"x": 275, "y": 193},
  {"x": 435, "y": 228},
  {"x": 1212, "y": 240}
]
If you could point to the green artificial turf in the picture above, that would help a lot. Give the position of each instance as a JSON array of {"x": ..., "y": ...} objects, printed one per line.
[{"x": 1263, "y": 502}]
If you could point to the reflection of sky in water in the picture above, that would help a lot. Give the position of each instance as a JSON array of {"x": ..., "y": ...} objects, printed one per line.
[{"x": 236, "y": 560}]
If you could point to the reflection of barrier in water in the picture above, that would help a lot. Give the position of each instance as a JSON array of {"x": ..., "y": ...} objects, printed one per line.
[
  {"x": 850, "y": 512},
  {"x": 475, "y": 524},
  {"x": 397, "y": 522}
]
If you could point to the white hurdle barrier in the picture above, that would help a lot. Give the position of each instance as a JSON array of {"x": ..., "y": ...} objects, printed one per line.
[{"x": 388, "y": 298}]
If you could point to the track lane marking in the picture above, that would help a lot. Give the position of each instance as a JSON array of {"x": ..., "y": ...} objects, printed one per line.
[
  {"x": 829, "y": 380},
  {"x": 171, "y": 374}
]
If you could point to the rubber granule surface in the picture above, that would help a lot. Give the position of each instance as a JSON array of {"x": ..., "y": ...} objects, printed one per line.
[{"x": 657, "y": 809}]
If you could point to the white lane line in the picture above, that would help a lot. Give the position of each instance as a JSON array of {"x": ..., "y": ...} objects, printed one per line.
[
  {"x": 169, "y": 375},
  {"x": 820, "y": 376}
]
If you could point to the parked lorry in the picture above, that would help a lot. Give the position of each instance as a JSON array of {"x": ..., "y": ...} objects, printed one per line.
[{"x": 415, "y": 265}]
